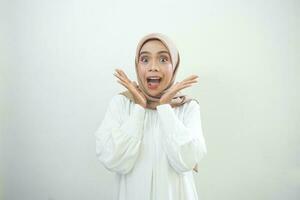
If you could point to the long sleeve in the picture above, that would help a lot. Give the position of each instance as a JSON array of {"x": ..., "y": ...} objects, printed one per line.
[
  {"x": 184, "y": 142},
  {"x": 118, "y": 140}
]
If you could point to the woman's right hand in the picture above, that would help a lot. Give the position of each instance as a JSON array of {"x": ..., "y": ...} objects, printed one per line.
[{"x": 138, "y": 96}]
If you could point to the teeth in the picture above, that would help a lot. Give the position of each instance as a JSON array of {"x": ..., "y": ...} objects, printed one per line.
[{"x": 153, "y": 77}]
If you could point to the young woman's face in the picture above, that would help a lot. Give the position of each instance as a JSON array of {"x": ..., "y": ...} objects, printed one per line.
[{"x": 154, "y": 67}]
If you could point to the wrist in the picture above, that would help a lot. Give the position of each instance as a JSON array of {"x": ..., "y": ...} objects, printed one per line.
[
  {"x": 142, "y": 105},
  {"x": 161, "y": 103}
]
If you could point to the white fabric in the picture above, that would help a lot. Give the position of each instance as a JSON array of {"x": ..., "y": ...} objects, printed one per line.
[{"x": 152, "y": 152}]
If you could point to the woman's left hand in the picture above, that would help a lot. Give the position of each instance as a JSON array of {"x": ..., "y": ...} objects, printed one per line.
[{"x": 167, "y": 97}]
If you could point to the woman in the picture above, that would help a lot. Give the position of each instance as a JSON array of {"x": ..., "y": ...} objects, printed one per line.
[{"x": 151, "y": 135}]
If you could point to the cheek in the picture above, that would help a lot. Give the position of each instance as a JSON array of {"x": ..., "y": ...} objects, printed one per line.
[
  {"x": 141, "y": 72},
  {"x": 168, "y": 72}
]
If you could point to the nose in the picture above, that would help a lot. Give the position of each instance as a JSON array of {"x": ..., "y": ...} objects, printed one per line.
[{"x": 154, "y": 67}]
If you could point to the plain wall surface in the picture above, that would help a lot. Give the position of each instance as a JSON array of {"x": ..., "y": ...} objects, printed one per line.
[{"x": 57, "y": 64}]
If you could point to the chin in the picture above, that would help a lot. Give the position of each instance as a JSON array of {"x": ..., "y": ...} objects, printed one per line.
[{"x": 155, "y": 92}]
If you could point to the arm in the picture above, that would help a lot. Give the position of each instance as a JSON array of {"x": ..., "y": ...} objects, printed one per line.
[
  {"x": 117, "y": 141},
  {"x": 184, "y": 142}
]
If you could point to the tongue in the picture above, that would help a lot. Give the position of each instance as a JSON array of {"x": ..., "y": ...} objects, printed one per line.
[{"x": 153, "y": 85}]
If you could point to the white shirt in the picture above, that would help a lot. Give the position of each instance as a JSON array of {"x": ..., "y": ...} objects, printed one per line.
[{"x": 152, "y": 152}]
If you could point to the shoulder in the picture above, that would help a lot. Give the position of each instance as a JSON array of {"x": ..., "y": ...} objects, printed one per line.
[
  {"x": 191, "y": 111},
  {"x": 191, "y": 107},
  {"x": 119, "y": 99},
  {"x": 120, "y": 103},
  {"x": 191, "y": 104}
]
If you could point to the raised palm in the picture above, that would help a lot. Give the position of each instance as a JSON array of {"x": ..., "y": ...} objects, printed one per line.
[
  {"x": 138, "y": 96},
  {"x": 168, "y": 96}
]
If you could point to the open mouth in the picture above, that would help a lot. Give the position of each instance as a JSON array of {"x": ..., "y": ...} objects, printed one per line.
[{"x": 153, "y": 82}]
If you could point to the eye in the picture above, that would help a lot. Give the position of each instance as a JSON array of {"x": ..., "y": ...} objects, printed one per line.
[
  {"x": 163, "y": 59},
  {"x": 144, "y": 59}
]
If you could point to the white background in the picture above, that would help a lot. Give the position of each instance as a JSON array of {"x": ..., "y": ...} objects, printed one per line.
[{"x": 57, "y": 61}]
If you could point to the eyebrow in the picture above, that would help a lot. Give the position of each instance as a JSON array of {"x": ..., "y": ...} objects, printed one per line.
[{"x": 147, "y": 52}]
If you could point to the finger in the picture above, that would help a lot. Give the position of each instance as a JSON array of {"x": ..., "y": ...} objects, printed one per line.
[
  {"x": 128, "y": 86},
  {"x": 181, "y": 84},
  {"x": 134, "y": 83},
  {"x": 191, "y": 77},
  {"x": 118, "y": 72},
  {"x": 123, "y": 74},
  {"x": 122, "y": 83},
  {"x": 136, "y": 86},
  {"x": 116, "y": 75},
  {"x": 190, "y": 81},
  {"x": 184, "y": 86},
  {"x": 121, "y": 78}
]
